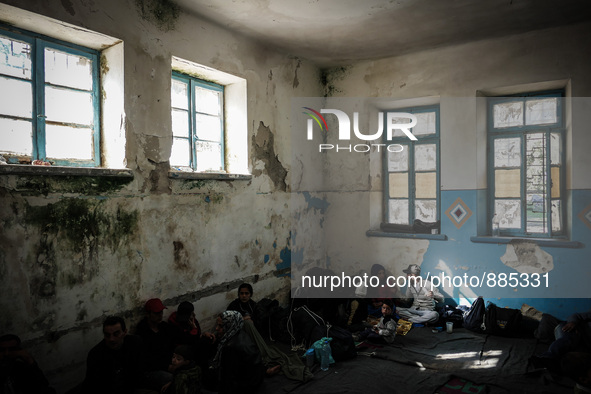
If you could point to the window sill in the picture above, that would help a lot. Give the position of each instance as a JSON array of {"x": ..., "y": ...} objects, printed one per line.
[
  {"x": 23, "y": 169},
  {"x": 208, "y": 176},
  {"x": 553, "y": 242},
  {"x": 384, "y": 234}
]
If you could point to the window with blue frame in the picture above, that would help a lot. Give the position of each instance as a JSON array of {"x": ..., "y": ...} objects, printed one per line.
[
  {"x": 411, "y": 187},
  {"x": 49, "y": 102},
  {"x": 197, "y": 124},
  {"x": 526, "y": 165}
]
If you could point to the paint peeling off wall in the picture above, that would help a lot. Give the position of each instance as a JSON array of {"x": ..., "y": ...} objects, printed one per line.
[{"x": 527, "y": 257}]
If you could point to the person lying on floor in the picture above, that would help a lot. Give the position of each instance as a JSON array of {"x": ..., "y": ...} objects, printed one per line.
[
  {"x": 385, "y": 330},
  {"x": 572, "y": 335}
]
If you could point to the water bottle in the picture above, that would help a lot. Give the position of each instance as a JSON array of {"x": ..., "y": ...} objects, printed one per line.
[{"x": 325, "y": 356}]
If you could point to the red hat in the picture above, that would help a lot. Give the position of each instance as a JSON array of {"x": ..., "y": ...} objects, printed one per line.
[{"x": 154, "y": 305}]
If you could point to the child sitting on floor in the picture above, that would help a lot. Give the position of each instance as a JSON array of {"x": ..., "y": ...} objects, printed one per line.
[
  {"x": 385, "y": 330},
  {"x": 186, "y": 373}
]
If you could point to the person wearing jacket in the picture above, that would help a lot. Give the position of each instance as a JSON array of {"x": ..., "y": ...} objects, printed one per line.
[
  {"x": 424, "y": 296},
  {"x": 237, "y": 366}
]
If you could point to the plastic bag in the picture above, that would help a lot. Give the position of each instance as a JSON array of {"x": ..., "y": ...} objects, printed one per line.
[{"x": 317, "y": 346}]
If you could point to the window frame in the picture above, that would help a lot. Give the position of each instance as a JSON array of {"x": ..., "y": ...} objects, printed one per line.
[
  {"x": 521, "y": 132},
  {"x": 193, "y": 82},
  {"x": 38, "y": 43},
  {"x": 404, "y": 140}
]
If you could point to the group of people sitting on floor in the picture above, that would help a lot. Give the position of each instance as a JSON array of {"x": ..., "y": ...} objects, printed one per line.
[
  {"x": 382, "y": 305},
  {"x": 176, "y": 356}
]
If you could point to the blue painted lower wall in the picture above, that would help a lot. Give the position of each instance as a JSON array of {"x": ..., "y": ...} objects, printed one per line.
[{"x": 564, "y": 290}]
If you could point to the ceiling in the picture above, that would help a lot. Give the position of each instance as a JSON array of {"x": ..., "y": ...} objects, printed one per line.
[{"x": 336, "y": 32}]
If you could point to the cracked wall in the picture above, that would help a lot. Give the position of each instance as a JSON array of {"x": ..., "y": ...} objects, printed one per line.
[{"x": 74, "y": 249}]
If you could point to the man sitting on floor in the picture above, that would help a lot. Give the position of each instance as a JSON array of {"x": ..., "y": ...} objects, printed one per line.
[{"x": 424, "y": 296}]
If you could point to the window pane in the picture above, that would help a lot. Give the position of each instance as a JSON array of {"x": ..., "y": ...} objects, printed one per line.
[
  {"x": 535, "y": 213},
  {"x": 398, "y": 132},
  {"x": 63, "y": 105},
  {"x": 180, "y": 154},
  {"x": 208, "y": 127},
  {"x": 556, "y": 216},
  {"x": 179, "y": 96},
  {"x": 20, "y": 100},
  {"x": 426, "y": 185},
  {"x": 425, "y": 123},
  {"x": 541, "y": 111},
  {"x": 62, "y": 142},
  {"x": 555, "y": 149},
  {"x": 207, "y": 101},
  {"x": 209, "y": 156},
  {"x": 398, "y": 184},
  {"x": 16, "y": 137},
  {"x": 507, "y": 152},
  {"x": 555, "y": 183},
  {"x": 508, "y": 114},
  {"x": 426, "y": 210},
  {"x": 508, "y": 183},
  {"x": 509, "y": 213},
  {"x": 536, "y": 182},
  {"x": 67, "y": 69},
  {"x": 15, "y": 58},
  {"x": 398, "y": 211},
  {"x": 425, "y": 157},
  {"x": 180, "y": 123},
  {"x": 398, "y": 161}
]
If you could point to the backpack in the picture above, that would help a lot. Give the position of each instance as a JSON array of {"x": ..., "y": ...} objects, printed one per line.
[
  {"x": 342, "y": 344},
  {"x": 473, "y": 318},
  {"x": 300, "y": 324},
  {"x": 501, "y": 321},
  {"x": 451, "y": 314}
]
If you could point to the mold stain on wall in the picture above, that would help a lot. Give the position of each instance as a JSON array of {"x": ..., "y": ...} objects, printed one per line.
[
  {"x": 80, "y": 227},
  {"x": 162, "y": 13}
]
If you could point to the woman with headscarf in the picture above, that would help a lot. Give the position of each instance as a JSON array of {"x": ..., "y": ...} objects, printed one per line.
[{"x": 237, "y": 366}]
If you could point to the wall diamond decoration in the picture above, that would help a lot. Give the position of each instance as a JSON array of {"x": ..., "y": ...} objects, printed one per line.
[
  {"x": 585, "y": 215},
  {"x": 458, "y": 212}
]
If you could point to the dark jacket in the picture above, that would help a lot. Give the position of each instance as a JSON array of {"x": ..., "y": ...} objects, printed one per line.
[
  {"x": 157, "y": 346},
  {"x": 114, "y": 371},
  {"x": 241, "y": 367},
  {"x": 248, "y": 308},
  {"x": 184, "y": 334},
  {"x": 24, "y": 378}
]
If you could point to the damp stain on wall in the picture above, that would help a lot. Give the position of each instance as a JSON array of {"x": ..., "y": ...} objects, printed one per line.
[
  {"x": 162, "y": 13},
  {"x": 79, "y": 228},
  {"x": 264, "y": 149},
  {"x": 35, "y": 186},
  {"x": 329, "y": 77}
]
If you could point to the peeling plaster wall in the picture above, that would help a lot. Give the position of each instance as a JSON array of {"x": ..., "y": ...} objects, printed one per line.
[
  {"x": 454, "y": 76},
  {"x": 75, "y": 249}
]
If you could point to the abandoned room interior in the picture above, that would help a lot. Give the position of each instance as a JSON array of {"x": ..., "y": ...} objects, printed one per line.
[{"x": 175, "y": 149}]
